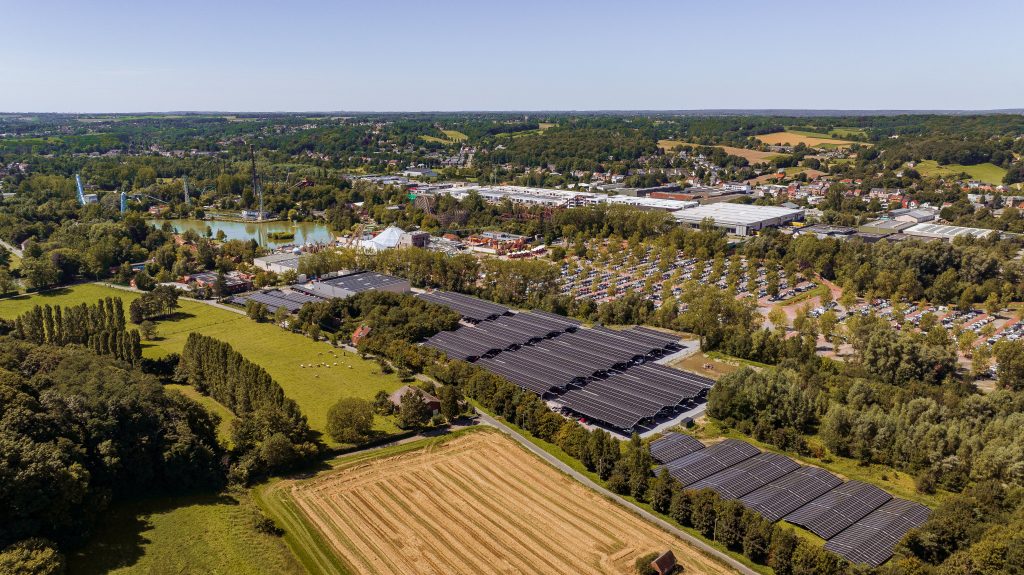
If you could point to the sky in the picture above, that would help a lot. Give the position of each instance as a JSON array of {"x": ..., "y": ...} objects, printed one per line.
[{"x": 428, "y": 55}]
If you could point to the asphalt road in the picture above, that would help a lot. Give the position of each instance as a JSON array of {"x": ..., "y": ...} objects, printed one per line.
[{"x": 709, "y": 550}]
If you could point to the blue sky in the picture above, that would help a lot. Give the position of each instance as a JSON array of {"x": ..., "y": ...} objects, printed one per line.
[{"x": 390, "y": 55}]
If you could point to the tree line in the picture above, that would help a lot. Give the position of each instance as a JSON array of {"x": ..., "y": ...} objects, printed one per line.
[
  {"x": 271, "y": 433},
  {"x": 99, "y": 326}
]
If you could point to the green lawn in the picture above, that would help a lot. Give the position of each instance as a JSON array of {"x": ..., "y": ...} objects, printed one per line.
[
  {"x": 455, "y": 135},
  {"x": 987, "y": 172},
  {"x": 211, "y": 534},
  {"x": 280, "y": 352}
]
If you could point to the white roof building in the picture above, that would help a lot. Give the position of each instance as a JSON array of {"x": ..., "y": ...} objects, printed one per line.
[
  {"x": 928, "y": 230},
  {"x": 739, "y": 219}
]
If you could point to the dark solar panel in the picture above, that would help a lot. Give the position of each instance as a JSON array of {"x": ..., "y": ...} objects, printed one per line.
[
  {"x": 706, "y": 462},
  {"x": 871, "y": 540},
  {"x": 838, "y": 509},
  {"x": 790, "y": 492},
  {"x": 673, "y": 446},
  {"x": 746, "y": 476}
]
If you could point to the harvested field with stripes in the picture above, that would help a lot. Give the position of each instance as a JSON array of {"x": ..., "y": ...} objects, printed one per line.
[{"x": 477, "y": 503}]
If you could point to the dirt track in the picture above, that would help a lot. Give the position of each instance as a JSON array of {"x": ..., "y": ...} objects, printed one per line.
[{"x": 477, "y": 504}]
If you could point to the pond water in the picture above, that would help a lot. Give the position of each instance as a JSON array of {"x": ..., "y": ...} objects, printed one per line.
[{"x": 305, "y": 232}]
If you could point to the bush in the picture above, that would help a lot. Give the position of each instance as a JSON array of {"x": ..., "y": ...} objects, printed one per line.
[
  {"x": 642, "y": 566},
  {"x": 350, "y": 420},
  {"x": 35, "y": 556}
]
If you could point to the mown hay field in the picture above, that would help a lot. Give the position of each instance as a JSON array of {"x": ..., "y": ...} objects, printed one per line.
[
  {"x": 752, "y": 156},
  {"x": 476, "y": 503}
]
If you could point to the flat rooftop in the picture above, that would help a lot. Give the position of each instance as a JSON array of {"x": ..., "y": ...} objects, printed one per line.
[
  {"x": 736, "y": 214},
  {"x": 946, "y": 232}
]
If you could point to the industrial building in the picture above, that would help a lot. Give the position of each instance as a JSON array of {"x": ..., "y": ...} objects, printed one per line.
[
  {"x": 335, "y": 285},
  {"x": 884, "y": 227},
  {"x": 943, "y": 232},
  {"x": 559, "y": 198},
  {"x": 739, "y": 219},
  {"x": 278, "y": 263}
]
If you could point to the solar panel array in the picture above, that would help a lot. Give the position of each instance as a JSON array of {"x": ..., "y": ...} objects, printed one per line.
[
  {"x": 274, "y": 299},
  {"x": 706, "y": 462},
  {"x": 471, "y": 308},
  {"x": 748, "y": 475},
  {"x": 873, "y": 538},
  {"x": 673, "y": 446},
  {"x": 502, "y": 334},
  {"x": 860, "y": 522},
  {"x": 838, "y": 509},
  {"x": 786, "y": 494}
]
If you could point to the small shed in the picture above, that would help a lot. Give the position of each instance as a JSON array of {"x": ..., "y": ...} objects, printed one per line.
[{"x": 665, "y": 563}]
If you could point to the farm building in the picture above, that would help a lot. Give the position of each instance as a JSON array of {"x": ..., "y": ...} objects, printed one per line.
[
  {"x": 739, "y": 219},
  {"x": 432, "y": 402},
  {"x": 946, "y": 232}
]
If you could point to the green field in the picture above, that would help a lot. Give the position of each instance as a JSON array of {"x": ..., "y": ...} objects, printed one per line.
[
  {"x": 987, "y": 172},
  {"x": 280, "y": 352},
  {"x": 193, "y": 534},
  {"x": 451, "y": 137},
  {"x": 838, "y": 133},
  {"x": 455, "y": 135}
]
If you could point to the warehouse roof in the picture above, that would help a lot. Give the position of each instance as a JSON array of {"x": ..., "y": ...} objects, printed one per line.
[
  {"x": 735, "y": 214},
  {"x": 946, "y": 232}
]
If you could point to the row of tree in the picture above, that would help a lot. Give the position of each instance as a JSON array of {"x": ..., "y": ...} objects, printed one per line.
[
  {"x": 271, "y": 433},
  {"x": 100, "y": 327}
]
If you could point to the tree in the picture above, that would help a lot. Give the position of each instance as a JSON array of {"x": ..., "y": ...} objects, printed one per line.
[
  {"x": 413, "y": 410},
  {"x": 450, "y": 397},
  {"x": 778, "y": 319},
  {"x": 661, "y": 491},
  {"x": 39, "y": 273},
  {"x": 280, "y": 315},
  {"x": 849, "y": 296},
  {"x": 7, "y": 283},
  {"x": 1010, "y": 357},
  {"x": 148, "y": 330},
  {"x": 350, "y": 420},
  {"x": 382, "y": 403},
  {"x": 992, "y": 304},
  {"x": 33, "y": 556},
  {"x": 256, "y": 311},
  {"x": 144, "y": 281}
]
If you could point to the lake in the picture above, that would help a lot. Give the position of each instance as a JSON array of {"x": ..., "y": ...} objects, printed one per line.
[{"x": 305, "y": 232}]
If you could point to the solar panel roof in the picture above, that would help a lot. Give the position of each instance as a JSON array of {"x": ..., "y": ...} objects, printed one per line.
[
  {"x": 838, "y": 509},
  {"x": 706, "y": 462},
  {"x": 790, "y": 492},
  {"x": 746, "y": 476},
  {"x": 872, "y": 539},
  {"x": 674, "y": 445}
]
